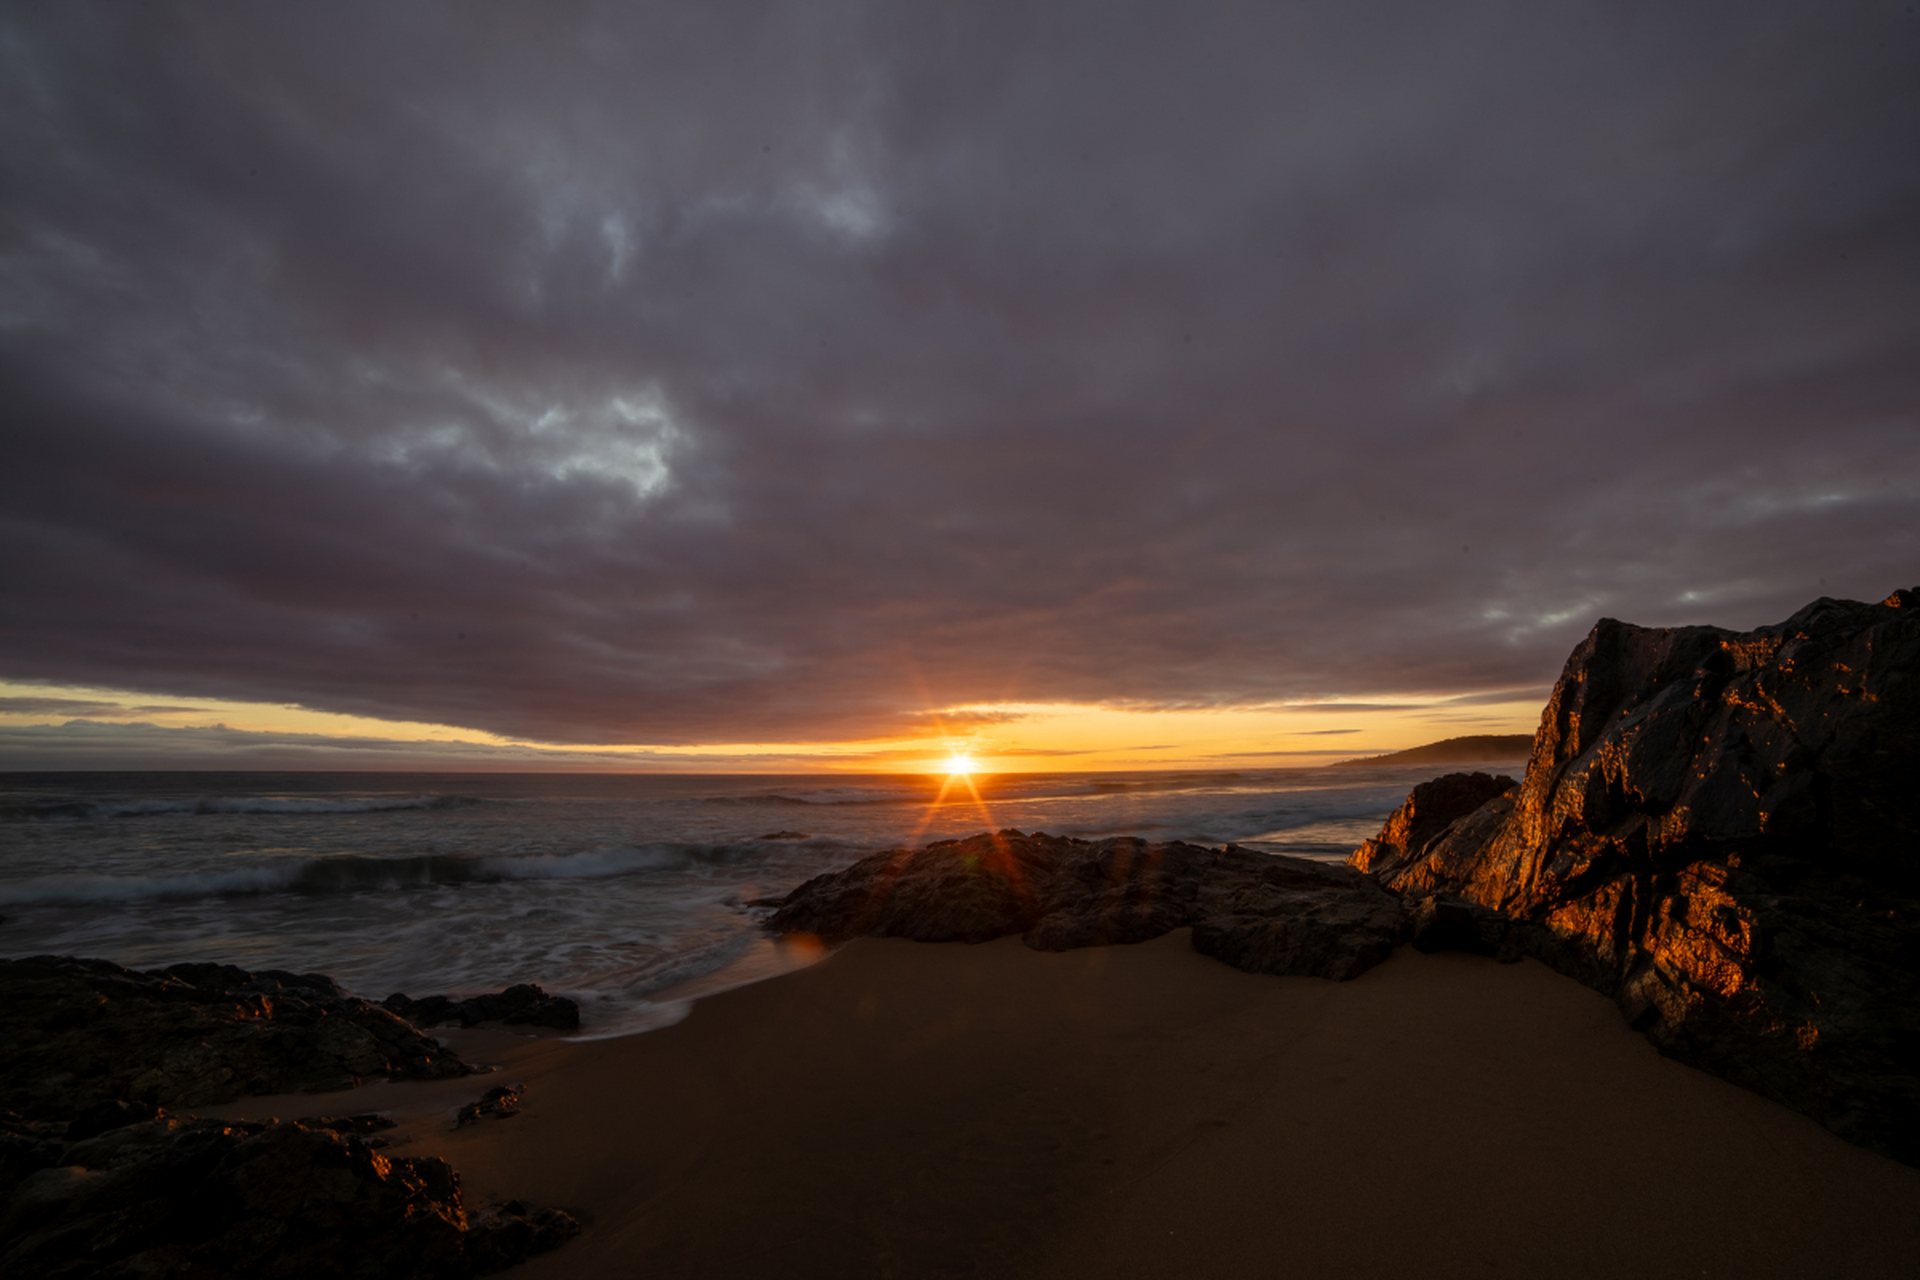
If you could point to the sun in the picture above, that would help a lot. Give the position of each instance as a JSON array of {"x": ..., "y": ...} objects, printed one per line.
[{"x": 960, "y": 764}]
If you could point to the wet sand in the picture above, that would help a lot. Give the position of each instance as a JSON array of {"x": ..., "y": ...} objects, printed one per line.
[{"x": 918, "y": 1110}]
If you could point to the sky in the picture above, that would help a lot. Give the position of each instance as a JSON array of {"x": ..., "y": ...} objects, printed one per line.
[{"x": 843, "y": 385}]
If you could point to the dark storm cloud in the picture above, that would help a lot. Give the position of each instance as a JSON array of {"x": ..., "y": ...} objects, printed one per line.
[{"x": 601, "y": 373}]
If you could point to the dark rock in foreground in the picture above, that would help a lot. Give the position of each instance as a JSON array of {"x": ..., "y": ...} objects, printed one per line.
[
  {"x": 82, "y": 1033},
  {"x": 97, "y": 1179},
  {"x": 1258, "y": 912},
  {"x": 214, "y": 1199},
  {"x": 1722, "y": 831},
  {"x": 1290, "y": 916},
  {"x": 517, "y": 1006}
]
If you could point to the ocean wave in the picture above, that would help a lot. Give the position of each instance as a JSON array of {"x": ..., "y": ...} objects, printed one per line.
[
  {"x": 97, "y": 810},
  {"x": 356, "y": 874},
  {"x": 1376, "y": 809},
  {"x": 857, "y": 798}
]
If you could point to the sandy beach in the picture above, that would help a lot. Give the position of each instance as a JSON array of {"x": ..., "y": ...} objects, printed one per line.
[{"x": 909, "y": 1109}]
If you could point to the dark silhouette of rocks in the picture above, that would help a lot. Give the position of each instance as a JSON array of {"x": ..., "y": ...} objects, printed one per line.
[
  {"x": 215, "y": 1199},
  {"x": 1468, "y": 750},
  {"x": 1445, "y": 922},
  {"x": 101, "y": 1117},
  {"x": 1289, "y": 916},
  {"x": 87, "y": 1033},
  {"x": 1257, "y": 912},
  {"x": 519, "y": 1006},
  {"x": 514, "y": 1232},
  {"x": 100, "y": 1175},
  {"x": 1720, "y": 830}
]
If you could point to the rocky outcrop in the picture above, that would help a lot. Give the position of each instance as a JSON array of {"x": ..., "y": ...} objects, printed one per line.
[
  {"x": 100, "y": 1175},
  {"x": 1258, "y": 912},
  {"x": 1289, "y": 916},
  {"x": 517, "y": 1006},
  {"x": 81, "y": 1033},
  {"x": 1430, "y": 809},
  {"x": 216, "y": 1199},
  {"x": 1721, "y": 830}
]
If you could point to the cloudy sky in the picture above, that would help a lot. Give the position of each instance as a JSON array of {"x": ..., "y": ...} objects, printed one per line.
[{"x": 1103, "y": 383}]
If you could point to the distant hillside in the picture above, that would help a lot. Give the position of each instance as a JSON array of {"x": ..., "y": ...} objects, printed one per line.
[{"x": 1485, "y": 746}]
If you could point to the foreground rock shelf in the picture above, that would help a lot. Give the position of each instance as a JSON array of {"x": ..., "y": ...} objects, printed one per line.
[
  {"x": 209, "y": 1198},
  {"x": 193, "y": 1035},
  {"x": 100, "y": 1173}
]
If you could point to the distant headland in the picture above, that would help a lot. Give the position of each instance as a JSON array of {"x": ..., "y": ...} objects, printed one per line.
[{"x": 1468, "y": 750}]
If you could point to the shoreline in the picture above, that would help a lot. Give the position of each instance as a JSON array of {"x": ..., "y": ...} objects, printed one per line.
[{"x": 924, "y": 1109}]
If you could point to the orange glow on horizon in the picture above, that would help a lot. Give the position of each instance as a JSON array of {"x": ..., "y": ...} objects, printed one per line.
[{"x": 958, "y": 742}]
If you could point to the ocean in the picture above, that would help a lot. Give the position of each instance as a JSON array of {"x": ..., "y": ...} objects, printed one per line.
[{"x": 627, "y": 892}]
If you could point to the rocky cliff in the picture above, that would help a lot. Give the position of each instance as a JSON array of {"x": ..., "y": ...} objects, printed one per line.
[{"x": 1722, "y": 830}]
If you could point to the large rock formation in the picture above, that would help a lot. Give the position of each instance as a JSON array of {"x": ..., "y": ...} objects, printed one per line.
[
  {"x": 1722, "y": 830},
  {"x": 1257, "y": 912}
]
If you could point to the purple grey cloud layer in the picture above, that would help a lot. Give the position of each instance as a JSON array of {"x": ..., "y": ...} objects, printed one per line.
[{"x": 680, "y": 373}]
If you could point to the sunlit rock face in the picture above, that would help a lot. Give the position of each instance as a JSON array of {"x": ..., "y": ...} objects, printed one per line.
[
  {"x": 1431, "y": 809},
  {"x": 1722, "y": 830}
]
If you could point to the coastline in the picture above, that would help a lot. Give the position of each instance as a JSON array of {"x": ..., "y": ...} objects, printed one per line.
[{"x": 919, "y": 1109}]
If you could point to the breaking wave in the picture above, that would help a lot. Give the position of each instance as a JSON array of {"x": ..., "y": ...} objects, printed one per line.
[
  {"x": 355, "y": 874},
  {"x": 96, "y": 810},
  {"x": 839, "y": 801}
]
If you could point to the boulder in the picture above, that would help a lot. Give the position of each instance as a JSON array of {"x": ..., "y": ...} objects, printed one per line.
[
  {"x": 1720, "y": 830},
  {"x": 1279, "y": 915},
  {"x": 1262, "y": 913},
  {"x": 191, "y": 1035},
  {"x": 1430, "y": 809}
]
